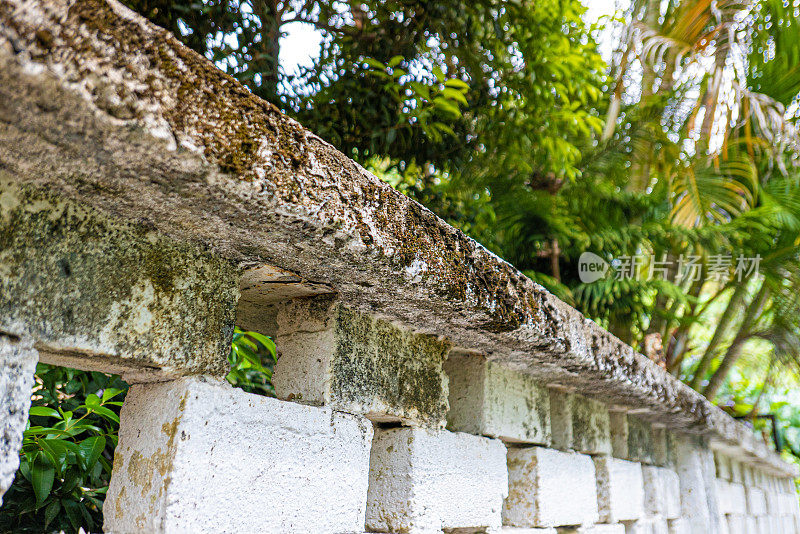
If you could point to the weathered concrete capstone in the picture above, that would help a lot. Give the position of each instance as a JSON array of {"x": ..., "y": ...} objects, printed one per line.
[
  {"x": 85, "y": 287},
  {"x": 334, "y": 356},
  {"x": 17, "y": 364}
]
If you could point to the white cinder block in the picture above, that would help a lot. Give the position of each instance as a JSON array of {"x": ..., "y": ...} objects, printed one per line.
[
  {"x": 736, "y": 524},
  {"x": 620, "y": 489},
  {"x": 722, "y": 465},
  {"x": 756, "y": 501},
  {"x": 651, "y": 525},
  {"x": 678, "y": 526},
  {"x": 519, "y": 530},
  {"x": 550, "y": 488},
  {"x": 489, "y": 399},
  {"x": 197, "y": 455},
  {"x": 662, "y": 492},
  {"x": 731, "y": 498},
  {"x": 617, "y": 528},
  {"x": 423, "y": 481}
]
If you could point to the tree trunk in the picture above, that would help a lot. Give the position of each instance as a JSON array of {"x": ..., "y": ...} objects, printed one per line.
[
  {"x": 719, "y": 334},
  {"x": 735, "y": 350},
  {"x": 268, "y": 49}
]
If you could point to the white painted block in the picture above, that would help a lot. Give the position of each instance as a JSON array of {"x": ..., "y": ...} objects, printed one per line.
[
  {"x": 197, "y": 455},
  {"x": 678, "y": 526},
  {"x": 736, "y": 524},
  {"x": 751, "y": 523},
  {"x": 487, "y": 398},
  {"x": 662, "y": 492},
  {"x": 617, "y": 528},
  {"x": 774, "y": 506},
  {"x": 519, "y": 530},
  {"x": 651, "y": 525},
  {"x": 695, "y": 468},
  {"x": 620, "y": 489},
  {"x": 756, "y": 501},
  {"x": 550, "y": 488},
  {"x": 423, "y": 481},
  {"x": 723, "y": 464},
  {"x": 731, "y": 498}
]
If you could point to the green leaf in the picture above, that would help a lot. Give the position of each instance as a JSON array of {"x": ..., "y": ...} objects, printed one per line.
[
  {"x": 110, "y": 393},
  {"x": 51, "y": 512},
  {"x": 42, "y": 476},
  {"x": 437, "y": 71},
  {"x": 108, "y": 414},
  {"x": 44, "y": 411},
  {"x": 396, "y": 60},
  {"x": 90, "y": 449},
  {"x": 92, "y": 400},
  {"x": 374, "y": 63},
  {"x": 454, "y": 94},
  {"x": 456, "y": 84}
]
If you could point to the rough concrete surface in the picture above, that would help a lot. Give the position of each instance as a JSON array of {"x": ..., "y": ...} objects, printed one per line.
[
  {"x": 114, "y": 295},
  {"x": 196, "y": 455},
  {"x": 100, "y": 106},
  {"x": 335, "y": 356},
  {"x": 550, "y": 488},
  {"x": 489, "y": 399},
  {"x": 18, "y": 361},
  {"x": 620, "y": 489},
  {"x": 423, "y": 481}
]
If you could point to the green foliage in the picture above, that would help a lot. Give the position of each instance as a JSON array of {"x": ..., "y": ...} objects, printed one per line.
[
  {"x": 73, "y": 428},
  {"x": 252, "y": 359},
  {"x": 65, "y": 462}
]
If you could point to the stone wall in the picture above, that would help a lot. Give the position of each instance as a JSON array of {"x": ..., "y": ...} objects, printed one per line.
[{"x": 148, "y": 202}]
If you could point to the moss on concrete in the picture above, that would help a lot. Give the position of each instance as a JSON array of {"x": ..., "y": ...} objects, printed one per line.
[
  {"x": 379, "y": 366},
  {"x": 78, "y": 282}
]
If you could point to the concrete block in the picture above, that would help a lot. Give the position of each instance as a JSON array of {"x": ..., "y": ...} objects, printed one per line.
[
  {"x": 423, "y": 481},
  {"x": 723, "y": 465},
  {"x": 695, "y": 468},
  {"x": 561, "y": 419},
  {"x": 579, "y": 423},
  {"x": 756, "y": 501},
  {"x": 774, "y": 504},
  {"x": 620, "y": 489},
  {"x": 619, "y": 434},
  {"x": 662, "y": 493},
  {"x": 678, "y": 526},
  {"x": 750, "y": 524},
  {"x": 591, "y": 432},
  {"x": 519, "y": 530},
  {"x": 550, "y": 488},
  {"x": 200, "y": 456},
  {"x": 660, "y": 446},
  {"x": 737, "y": 523},
  {"x": 599, "y": 528},
  {"x": 331, "y": 355},
  {"x": 737, "y": 474},
  {"x": 103, "y": 295},
  {"x": 640, "y": 441},
  {"x": 652, "y": 525},
  {"x": 489, "y": 399},
  {"x": 748, "y": 478},
  {"x": 731, "y": 497},
  {"x": 17, "y": 364}
]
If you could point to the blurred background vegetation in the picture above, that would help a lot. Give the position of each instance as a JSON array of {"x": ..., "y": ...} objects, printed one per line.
[{"x": 503, "y": 117}]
